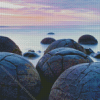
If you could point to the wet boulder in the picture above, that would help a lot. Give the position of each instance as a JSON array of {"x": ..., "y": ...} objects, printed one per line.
[
  {"x": 52, "y": 64},
  {"x": 30, "y": 55},
  {"x": 7, "y": 45},
  {"x": 19, "y": 80},
  {"x": 89, "y": 51},
  {"x": 87, "y": 39},
  {"x": 64, "y": 43},
  {"x": 39, "y": 51},
  {"x": 51, "y": 33},
  {"x": 58, "y": 60},
  {"x": 96, "y": 55},
  {"x": 79, "y": 82},
  {"x": 31, "y": 51},
  {"x": 48, "y": 40}
]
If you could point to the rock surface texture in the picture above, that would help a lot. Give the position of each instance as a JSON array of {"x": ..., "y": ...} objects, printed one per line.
[
  {"x": 19, "y": 80},
  {"x": 56, "y": 61},
  {"x": 52, "y": 64},
  {"x": 79, "y": 82},
  {"x": 87, "y": 39},
  {"x": 64, "y": 43},
  {"x": 7, "y": 45}
]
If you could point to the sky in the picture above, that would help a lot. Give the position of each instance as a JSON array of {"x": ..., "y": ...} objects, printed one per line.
[{"x": 49, "y": 12}]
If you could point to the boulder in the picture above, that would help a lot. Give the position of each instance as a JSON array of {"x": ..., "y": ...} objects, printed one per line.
[
  {"x": 96, "y": 55},
  {"x": 79, "y": 82},
  {"x": 19, "y": 80},
  {"x": 51, "y": 33},
  {"x": 31, "y": 51},
  {"x": 52, "y": 64},
  {"x": 89, "y": 51},
  {"x": 7, "y": 45},
  {"x": 64, "y": 43},
  {"x": 48, "y": 40},
  {"x": 87, "y": 39},
  {"x": 39, "y": 51},
  {"x": 30, "y": 55}
]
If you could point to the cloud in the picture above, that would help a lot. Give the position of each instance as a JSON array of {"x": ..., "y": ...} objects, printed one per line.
[
  {"x": 49, "y": 12},
  {"x": 10, "y": 5}
]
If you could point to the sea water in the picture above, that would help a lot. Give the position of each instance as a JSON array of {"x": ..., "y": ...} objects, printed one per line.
[{"x": 29, "y": 37}]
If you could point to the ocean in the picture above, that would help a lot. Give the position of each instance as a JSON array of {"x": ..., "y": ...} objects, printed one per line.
[{"x": 29, "y": 37}]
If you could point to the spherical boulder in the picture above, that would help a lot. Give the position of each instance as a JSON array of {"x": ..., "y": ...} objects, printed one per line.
[
  {"x": 7, "y": 45},
  {"x": 19, "y": 80},
  {"x": 64, "y": 43},
  {"x": 87, "y": 39},
  {"x": 79, "y": 82},
  {"x": 48, "y": 40},
  {"x": 52, "y": 64}
]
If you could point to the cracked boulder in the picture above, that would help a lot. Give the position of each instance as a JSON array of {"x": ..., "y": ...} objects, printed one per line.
[
  {"x": 64, "y": 43},
  {"x": 79, "y": 82},
  {"x": 19, "y": 80},
  {"x": 7, "y": 45},
  {"x": 52, "y": 64}
]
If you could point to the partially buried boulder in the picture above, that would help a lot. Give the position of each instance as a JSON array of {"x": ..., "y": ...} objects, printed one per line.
[
  {"x": 89, "y": 51},
  {"x": 87, "y": 39},
  {"x": 96, "y": 55},
  {"x": 31, "y": 51},
  {"x": 51, "y": 33},
  {"x": 7, "y": 45},
  {"x": 47, "y": 40},
  {"x": 79, "y": 82},
  {"x": 30, "y": 54},
  {"x": 19, "y": 80},
  {"x": 64, "y": 43},
  {"x": 52, "y": 64}
]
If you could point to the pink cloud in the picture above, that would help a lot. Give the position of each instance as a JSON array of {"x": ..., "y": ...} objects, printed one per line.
[{"x": 32, "y": 13}]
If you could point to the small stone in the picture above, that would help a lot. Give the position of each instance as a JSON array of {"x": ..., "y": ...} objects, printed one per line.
[
  {"x": 96, "y": 55},
  {"x": 30, "y": 54},
  {"x": 51, "y": 33},
  {"x": 89, "y": 51},
  {"x": 31, "y": 51}
]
